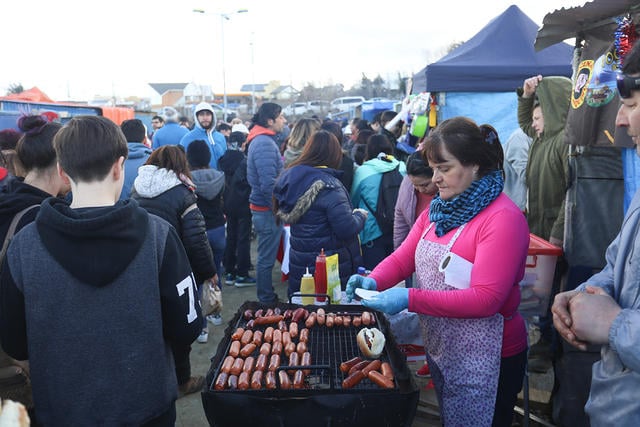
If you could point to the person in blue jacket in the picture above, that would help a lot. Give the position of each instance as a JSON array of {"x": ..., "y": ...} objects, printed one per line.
[
  {"x": 205, "y": 128},
  {"x": 136, "y": 134},
  {"x": 309, "y": 196},
  {"x": 171, "y": 133}
]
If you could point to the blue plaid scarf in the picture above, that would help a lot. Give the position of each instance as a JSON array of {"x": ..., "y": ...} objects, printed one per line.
[{"x": 449, "y": 214}]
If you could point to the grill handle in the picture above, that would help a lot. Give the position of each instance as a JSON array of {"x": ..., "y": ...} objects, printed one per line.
[{"x": 299, "y": 294}]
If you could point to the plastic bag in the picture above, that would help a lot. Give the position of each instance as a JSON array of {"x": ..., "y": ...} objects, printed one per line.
[{"x": 211, "y": 302}]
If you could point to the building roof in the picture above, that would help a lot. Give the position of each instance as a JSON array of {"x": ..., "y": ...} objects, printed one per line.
[
  {"x": 280, "y": 89},
  {"x": 163, "y": 88},
  {"x": 259, "y": 87}
]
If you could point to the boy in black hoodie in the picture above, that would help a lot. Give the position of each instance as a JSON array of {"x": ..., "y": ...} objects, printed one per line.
[{"x": 94, "y": 294}]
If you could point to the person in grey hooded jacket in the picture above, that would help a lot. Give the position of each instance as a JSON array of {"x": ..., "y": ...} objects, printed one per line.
[
  {"x": 205, "y": 128},
  {"x": 605, "y": 309}
]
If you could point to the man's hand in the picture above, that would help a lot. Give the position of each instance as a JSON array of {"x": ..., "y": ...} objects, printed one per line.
[
  {"x": 592, "y": 314},
  {"x": 530, "y": 85},
  {"x": 562, "y": 319}
]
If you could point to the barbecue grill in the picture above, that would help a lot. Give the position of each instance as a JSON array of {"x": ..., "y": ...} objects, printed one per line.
[{"x": 322, "y": 401}]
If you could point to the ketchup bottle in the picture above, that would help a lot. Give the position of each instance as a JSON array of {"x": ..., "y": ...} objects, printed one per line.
[{"x": 320, "y": 276}]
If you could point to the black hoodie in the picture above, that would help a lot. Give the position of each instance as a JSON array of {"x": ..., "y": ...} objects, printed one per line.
[{"x": 14, "y": 197}]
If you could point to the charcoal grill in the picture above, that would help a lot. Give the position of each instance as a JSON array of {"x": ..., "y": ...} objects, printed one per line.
[{"x": 323, "y": 401}]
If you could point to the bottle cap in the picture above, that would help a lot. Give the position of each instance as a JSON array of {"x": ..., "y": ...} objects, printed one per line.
[
  {"x": 307, "y": 274},
  {"x": 361, "y": 270}
]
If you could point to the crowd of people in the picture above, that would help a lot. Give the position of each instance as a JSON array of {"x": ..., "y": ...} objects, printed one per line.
[{"x": 106, "y": 225}]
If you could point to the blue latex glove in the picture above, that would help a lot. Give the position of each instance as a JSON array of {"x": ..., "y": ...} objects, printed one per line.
[
  {"x": 391, "y": 301},
  {"x": 358, "y": 281}
]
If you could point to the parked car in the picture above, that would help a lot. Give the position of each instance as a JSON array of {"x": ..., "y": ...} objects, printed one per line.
[
  {"x": 319, "y": 107},
  {"x": 295, "y": 109},
  {"x": 346, "y": 103}
]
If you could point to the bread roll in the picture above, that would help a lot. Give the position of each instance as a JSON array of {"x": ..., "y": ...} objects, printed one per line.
[{"x": 371, "y": 342}]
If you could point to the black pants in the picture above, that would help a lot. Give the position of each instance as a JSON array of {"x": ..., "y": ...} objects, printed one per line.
[
  {"x": 181, "y": 355},
  {"x": 237, "y": 255},
  {"x": 509, "y": 385},
  {"x": 166, "y": 419}
]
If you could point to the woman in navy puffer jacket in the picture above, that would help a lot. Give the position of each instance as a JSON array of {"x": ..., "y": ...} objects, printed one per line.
[{"x": 309, "y": 196}]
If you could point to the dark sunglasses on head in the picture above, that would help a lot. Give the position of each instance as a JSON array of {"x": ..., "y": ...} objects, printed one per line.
[{"x": 626, "y": 85}]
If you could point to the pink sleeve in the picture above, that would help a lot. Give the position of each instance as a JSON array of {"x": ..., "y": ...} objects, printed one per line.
[
  {"x": 401, "y": 263},
  {"x": 498, "y": 248}
]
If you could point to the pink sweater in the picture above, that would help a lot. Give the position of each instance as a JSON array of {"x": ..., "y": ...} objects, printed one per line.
[{"x": 496, "y": 241}]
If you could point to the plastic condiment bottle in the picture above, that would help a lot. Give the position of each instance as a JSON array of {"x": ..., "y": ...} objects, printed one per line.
[
  {"x": 320, "y": 276},
  {"x": 362, "y": 271},
  {"x": 307, "y": 286}
]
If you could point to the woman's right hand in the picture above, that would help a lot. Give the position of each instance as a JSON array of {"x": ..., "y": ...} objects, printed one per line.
[{"x": 358, "y": 281}]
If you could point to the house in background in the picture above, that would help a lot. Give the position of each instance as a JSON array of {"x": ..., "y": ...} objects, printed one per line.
[
  {"x": 259, "y": 89},
  {"x": 285, "y": 93},
  {"x": 170, "y": 93}
]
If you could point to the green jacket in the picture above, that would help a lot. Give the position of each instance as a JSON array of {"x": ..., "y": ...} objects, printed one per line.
[{"x": 547, "y": 173}]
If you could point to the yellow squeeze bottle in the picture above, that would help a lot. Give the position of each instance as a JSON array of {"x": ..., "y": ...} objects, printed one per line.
[{"x": 307, "y": 286}]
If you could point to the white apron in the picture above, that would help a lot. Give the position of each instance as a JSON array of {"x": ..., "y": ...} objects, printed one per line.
[{"x": 463, "y": 354}]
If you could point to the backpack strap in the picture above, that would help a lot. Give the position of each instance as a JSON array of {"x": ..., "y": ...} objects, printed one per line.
[{"x": 11, "y": 231}]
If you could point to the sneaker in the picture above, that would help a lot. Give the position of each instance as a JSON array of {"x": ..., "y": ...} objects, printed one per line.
[
  {"x": 216, "y": 319},
  {"x": 229, "y": 279},
  {"x": 193, "y": 385},
  {"x": 423, "y": 372},
  {"x": 203, "y": 337},
  {"x": 245, "y": 281}
]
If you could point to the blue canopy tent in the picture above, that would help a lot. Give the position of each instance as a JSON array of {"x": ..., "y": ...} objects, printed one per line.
[{"x": 478, "y": 79}]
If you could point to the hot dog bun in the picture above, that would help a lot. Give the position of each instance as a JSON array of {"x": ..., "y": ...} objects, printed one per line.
[
  {"x": 371, "y": 342},
  {"x": 13, "y": 414}
]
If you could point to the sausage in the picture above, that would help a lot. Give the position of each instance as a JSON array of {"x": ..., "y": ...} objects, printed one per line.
[
  {"x": 386, "y": 370},
  {"x": 248, "y": 349},
  {"x": 285, "y": 381},
  {"x": 221, "y": 381},
  {"x": 256, "y": 380},
  {"x": 306, "y": 361},
  {"x": 286, "y": 338},
  {"x": 294, "y": 360},
  {"x": 259, "y": 313},
  {"x": 274, "y": 362},
  {"x": 243, "y": 381},
  {"x": 366, "y": 318},
  {"x": 298, "y": 380},
  {"x": 268, "y": 320},
  {"x": 293, "y": 330},
  {"x": 232, "y": 382},
  {"x": 277, "y": 335},
  {"x": 381, "y": 380},
  {"x": 353, "y": 379},
  {"x": 269, "y": 312},
  {"x": 356, "y": 321},
  {"x": 321, "y": 316},
  {"x": 261, "y": 362},
  {"x": 358, "y": 366},
  {"x": 265, "y": 348},
  {"x": 268, "y": 334},
  {"x": 287, "y": 314},
  {"x": 270, "y": 380},
  {"x": 277, "y": 310},
  {"x": 246, "y": 337},
  {"x": 227, "y": 364},
  {"x": 301, "y": 348},
  {"x": 304, "y": 334},
  {"x": 257, "y": 338},
  {"x": 311, "y": 320},
  {"x": 237, "y": 366},
  {"x": 330, "y": 320},
  {"x": 337, "y": 321},
  {"x": 282, "y": 325},
  {"x": 276, "y": 348},
  {"x": 248, "y": 364},
  {"x": 289, "y": 348},
  {"x": 298, "y": 315},
  {"x": 248, "y": 314},
  {"x": 250, "y": 324},
  {"x": 234, "y": 349},
  {"x": 237, "y": 334},
  {"x": 346, "y": 321},
  {"x": 372, "y": 366},
  {"x": 346, "y": 366}
]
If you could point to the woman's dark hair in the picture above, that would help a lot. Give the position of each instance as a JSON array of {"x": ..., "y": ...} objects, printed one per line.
[
  {"x": 322, "y": 149},
  {"x": 416, "y": 166},
  {"x": 377, "y": 144},
  {"x": 170, "y": 157},
  {"x": 238, "y": 137},
  {"x": 363, "y": 136},
  {"x": 363, "y": 124},
  {"x": 35, "y": 147},
  {"x": 268, "y": 110},
  {"x": 334, "y": 128},
  {"x": 469, "y": 143}
]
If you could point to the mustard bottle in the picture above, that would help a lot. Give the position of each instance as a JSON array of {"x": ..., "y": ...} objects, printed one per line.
[{"x": 307, "y": 286}]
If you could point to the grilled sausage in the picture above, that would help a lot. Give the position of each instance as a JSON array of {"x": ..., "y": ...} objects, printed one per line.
[
  {"x": 227, "y": 364},
  {"x": 321, "y": 316},
  {"x": 285, "y": 381},
  {"x": 248, "y": 349},
  {"x": 298, "y": 380},
  {"x": 237, "y": 366},
  {"x": 366, "y": 318},
  {"x": 287, "y": 314},
  {"x": 358, "y": 366},
  {"x": 270, "y": 380},
  {"x": 373, "y": 366},
  {"x": 265, "y": 348},
  {"x": 346, "y": 321},
  {"x": 338, "y": 320},
  {"x": 237, "y": 334},
  {"x": 221, "y": 381},
  {"x": 232, "y": 382},
  {"x": 250, "y": 324},
  {"x": 346, "y": 366},
  {"x": 259, "y": 313},
  {"x": 282, "y": 325},
  {"x": 301, "y": 348},
  {"x": 268, "y": 334},
  {"x": 286, "y": 338},
  {"x": 356, "y": 321},
  {"x": 246, "y": 338},
  {"x": 276, "y": 348},
  {"x": 289, "y": 348},
  {"x": 294, "y": 360},
  {"x": 381, "y": 380},
  {"x": 277, "y": 335},
  {"x": 274, "y": 362},
  {"x": 306, "y": 361},
  {"x": 269, "y": 312},
  {"x": 256, "y": 380},
  {"x": 243, "y": 381},
  {"x": 304, "y": 334},
  {"x": 248, "y": 364},
  {"x": 298, "y": 314},
  {"x": 311, "y": 320},
  {"x": 330, "y": 319},
  {"x": 268, "y": 320},
  {"x": 257, "y": 338},
  {"x": 234, "y": 349},
  {"x": 386, "y": 370},
  {"x": 248, "y": 314},
  {"x": 293, "y": 330},
  {"x": 261, "y": 362},
  {"x": 353, "y": 379}
]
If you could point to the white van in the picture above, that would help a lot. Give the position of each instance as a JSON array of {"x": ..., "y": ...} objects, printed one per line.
[{"x": 346, "y": 103}]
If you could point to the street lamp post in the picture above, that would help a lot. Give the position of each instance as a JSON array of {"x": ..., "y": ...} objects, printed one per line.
[{"x": 223, "y": 17}]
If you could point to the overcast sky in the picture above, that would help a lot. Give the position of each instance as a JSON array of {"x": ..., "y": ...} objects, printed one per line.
[{"x": 78, "y": 48}]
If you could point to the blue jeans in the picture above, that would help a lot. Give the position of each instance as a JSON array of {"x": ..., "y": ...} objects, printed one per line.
[
  {"x": 218, "y": 243},
  {"x": 269, "y": 234}
]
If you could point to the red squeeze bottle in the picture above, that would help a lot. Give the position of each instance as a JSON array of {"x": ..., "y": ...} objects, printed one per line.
[{"x": 320, "y": 276}]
